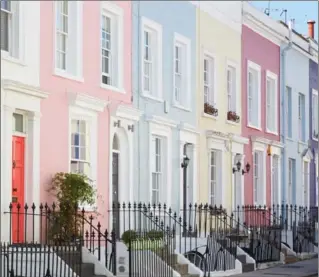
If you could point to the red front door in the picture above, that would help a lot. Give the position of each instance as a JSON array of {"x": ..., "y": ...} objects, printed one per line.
[{"x": 17, "y": 189}]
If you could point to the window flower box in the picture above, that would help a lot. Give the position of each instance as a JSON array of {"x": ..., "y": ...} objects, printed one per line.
[
  {"x": 210, "y": 109},
  {"x": 232, "y": 116}
]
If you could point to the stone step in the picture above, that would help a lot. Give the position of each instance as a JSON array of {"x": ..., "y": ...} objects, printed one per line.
[
  {"x": 248, "y": 267},
  {"x": 289, "y": 259},
  {"x": 181, "y": 268},
  {"x": 242, "y": 258}
]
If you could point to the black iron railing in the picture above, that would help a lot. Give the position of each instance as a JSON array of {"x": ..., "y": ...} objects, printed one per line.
[{"x": 46, "y": 239}]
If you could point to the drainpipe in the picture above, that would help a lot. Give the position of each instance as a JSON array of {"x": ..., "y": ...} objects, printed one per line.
[{"x": 283, "y": 102}]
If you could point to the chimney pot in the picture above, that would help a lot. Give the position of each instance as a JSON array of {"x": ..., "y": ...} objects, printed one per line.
[{"x": 311, "y": 28}]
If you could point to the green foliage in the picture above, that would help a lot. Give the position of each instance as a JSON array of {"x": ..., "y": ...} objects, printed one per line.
[
  {"x": 155, "y": 234},
  {"x": 129, "y": 235},
  {"x": 70, "y": 190}
]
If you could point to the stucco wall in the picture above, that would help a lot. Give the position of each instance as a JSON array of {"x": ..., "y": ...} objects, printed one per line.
[
  {"x": 226, "y": 48},
  {"x": 313, "y": 84},
  {"x": 174, "y": 17},
  {"x": 298, "y": 80},
  {"x": 54, "y": 121},
  {"x": 266, "y": 54}
]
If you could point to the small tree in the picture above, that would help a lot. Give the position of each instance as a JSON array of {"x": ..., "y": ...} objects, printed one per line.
[{"x": 70, "y": 190}]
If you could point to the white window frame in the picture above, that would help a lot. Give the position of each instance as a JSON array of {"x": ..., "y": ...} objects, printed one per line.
[
  {"x": 90, "y": 117},
  {"x": 290, "y": 181},
  {"x": 212, "y": 96},
  {"x": 306, "y": 181},
  {"x": 65, "y": 73},
  {"x": 165, "y": 133},
  {"x": 116, "y": 15},
  {"x": 255, "y": 67},
  {"x": 185, "y": 44},
  {"x": 158, "y": 172},
  {"x": 273, "y": 113},
  {"x": 315, "y": 115},
  {"x": 288, "y": 91},
  {"x": 261, "y": 189},
  {"x": 217, "y": 181},
  {"x": 275, "y": 183},
  {"x": 14, "y": 43},
  {"x": 301, "y": 115},
  {"x": 156, "y": 30},
  {"x": 233, "y": 96}
]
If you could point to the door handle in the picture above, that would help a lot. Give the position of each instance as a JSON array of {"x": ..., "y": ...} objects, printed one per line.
[
  {"x": 14, "y": 190},
  {"x": 13, "y": 164}
]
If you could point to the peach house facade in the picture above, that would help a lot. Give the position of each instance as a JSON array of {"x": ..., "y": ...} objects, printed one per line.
[
  {"x": 87, "y": 123},
  {"x": 261, "y": 108}
]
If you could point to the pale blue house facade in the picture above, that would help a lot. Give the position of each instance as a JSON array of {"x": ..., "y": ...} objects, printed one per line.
[
  {"x": 297, "y": 154},
  {"x": 164, "y": 83}
]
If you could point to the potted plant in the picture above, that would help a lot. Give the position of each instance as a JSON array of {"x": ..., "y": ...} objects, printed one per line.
[
  {"x": 232, "y": 116},
  {"x": 151, "y": 240},
  {"x": 70, "y": 191},
  {"x": 210, "y": 109}
]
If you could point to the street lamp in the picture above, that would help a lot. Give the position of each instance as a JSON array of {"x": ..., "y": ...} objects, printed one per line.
[
  {"x": 247, "y": 169},
  {"x": 238, "y": 167},
  {"x": 184, "y": 166}
]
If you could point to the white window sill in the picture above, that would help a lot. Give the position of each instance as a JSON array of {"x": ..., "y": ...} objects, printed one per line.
[
  {"x": 254, "y": 127},
  {"x": 232, "y": 122},
  {"x": 209, "y": 116},
  {"x": 6, "y": 56},
  {"x": 315, "y": 139},
  {"x": 302, "y": 143},
  {"x": 149, "y": 96},
  {"x": 289, "y": 139},
  {"x": 176, "y": 105},
  {"x": 63, "y": 74},
  {"x": 112, "y": 88},
  {"x": 272, "y": 132},
  {"x": 88, "y": 208}
]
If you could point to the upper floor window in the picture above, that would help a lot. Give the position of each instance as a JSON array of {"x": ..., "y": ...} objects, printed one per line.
[
  {"x": 181, "y": 70},
  {"x": 271, "y": 102},
  {"x": 152, "y": 58},
  {"x": 315, "y": 114},
  {"x": 112, "y": 46},
  {"x": 289, "y": 112},
  {"x": 10, "y": 27},
  {"x": 209, "y": 85},
  {"x": 231, "y": 88},
  {"x": 254, "y": 95},
  {"x": 68, "y": 37},
  {"x": 301, "y": 117}
]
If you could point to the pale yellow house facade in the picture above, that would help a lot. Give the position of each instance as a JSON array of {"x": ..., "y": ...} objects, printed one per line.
[{"x": 219, "y": 104}]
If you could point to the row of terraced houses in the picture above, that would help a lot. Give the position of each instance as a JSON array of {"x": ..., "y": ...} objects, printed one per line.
[{"x": 126, "y": 92}]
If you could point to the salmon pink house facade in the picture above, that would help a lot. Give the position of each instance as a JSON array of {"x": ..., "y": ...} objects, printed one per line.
[
  {"x": 261, "y": 107},
  {"x": 87, "y": 123}
]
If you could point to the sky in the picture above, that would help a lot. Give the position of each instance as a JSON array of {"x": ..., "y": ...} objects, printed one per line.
[{"x": 301, "y": 11}]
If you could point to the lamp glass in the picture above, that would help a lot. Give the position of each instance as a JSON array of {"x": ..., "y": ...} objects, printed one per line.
[{"x": 238, "y": 164}]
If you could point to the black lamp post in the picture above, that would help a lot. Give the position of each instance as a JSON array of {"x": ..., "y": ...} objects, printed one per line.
[
  {"x": 238, "y": 167},
  {"x": 184, "y": 165}
]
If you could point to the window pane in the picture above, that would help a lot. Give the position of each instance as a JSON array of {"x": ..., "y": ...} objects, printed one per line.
[
  {"x": 18, "y": 123},
  {"x": 5, "y": 5},
  {"x": 4, "y": 20}
]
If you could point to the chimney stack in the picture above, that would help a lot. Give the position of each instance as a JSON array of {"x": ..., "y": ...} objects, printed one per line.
[{"x": 311, "y": 28}]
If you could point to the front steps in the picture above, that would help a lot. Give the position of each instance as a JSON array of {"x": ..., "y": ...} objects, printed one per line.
[
  {"x": 246, "y": 267},
  {"x": 172, "y": 259},
  {"x": 76, "y": 264}
]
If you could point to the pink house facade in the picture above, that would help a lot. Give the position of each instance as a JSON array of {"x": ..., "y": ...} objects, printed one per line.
[
  {"x": 261, "y": 108},
  {"x": 87, "y": 123}
]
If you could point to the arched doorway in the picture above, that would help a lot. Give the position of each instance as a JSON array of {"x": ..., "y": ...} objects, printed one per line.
[{"x": 115, "y": 182}]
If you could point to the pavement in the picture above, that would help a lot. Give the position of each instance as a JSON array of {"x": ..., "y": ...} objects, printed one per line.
[{"x": 307, "y": 268}]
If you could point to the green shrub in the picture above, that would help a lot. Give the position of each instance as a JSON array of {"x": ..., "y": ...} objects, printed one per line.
[
  {"x": 129, "y": 235},
  {"x": 155, "y": 234}
]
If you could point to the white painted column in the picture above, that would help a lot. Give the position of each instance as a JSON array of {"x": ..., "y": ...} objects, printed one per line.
[
  {"x": 233, "y": 181},
  {"x": 242, "y": 179},
  {"x": 32, "y": 188},
  {"x": 6, "y": 170}
]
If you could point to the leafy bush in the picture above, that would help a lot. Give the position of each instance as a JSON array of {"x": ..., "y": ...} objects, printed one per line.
[
  {"x": 70, "y": 190},
  {"x": 129, "y": 235},
  {"x": 155, "y": 234}
]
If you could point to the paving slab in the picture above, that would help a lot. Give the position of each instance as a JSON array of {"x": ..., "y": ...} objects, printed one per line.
[{"x": 308, "y": 268}]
